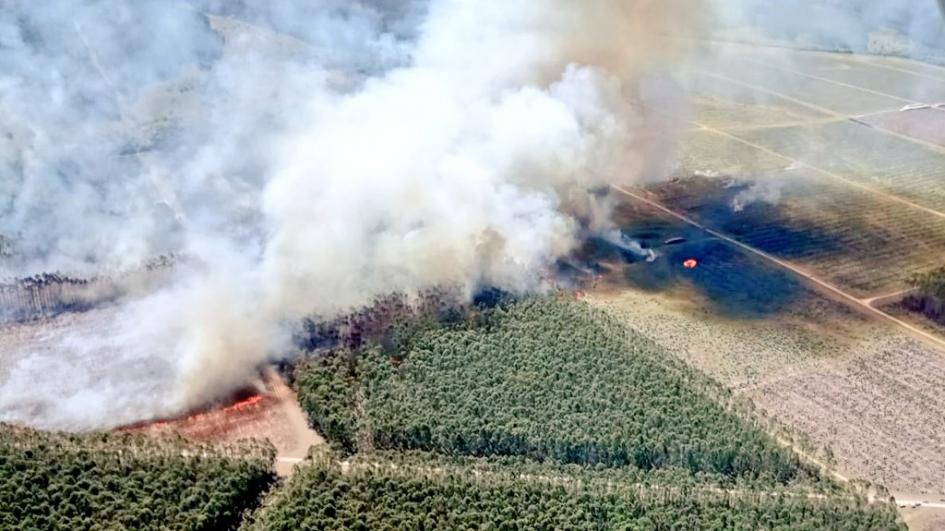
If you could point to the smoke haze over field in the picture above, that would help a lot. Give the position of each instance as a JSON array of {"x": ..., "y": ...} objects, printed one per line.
[
  {"x": 911, "y": 28},
  {"x": 307, "y": 157}
]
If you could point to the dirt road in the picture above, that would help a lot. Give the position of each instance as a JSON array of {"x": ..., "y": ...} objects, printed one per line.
[
  {"x": 301, "y": 437},
  {"x": 832, "y": 291}
]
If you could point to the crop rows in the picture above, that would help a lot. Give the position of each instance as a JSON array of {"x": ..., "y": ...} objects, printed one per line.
[
  {"x": 849, "y": 384},
  {"x": 705, "y": 152},
  {"x": 880, "y": 413},
  {"x": 856, "y": 240},
  {"x": 863, "y": 155},
  {"x": 923, "y": 124},
  {"x": 741, "y": 354},
  {"x": 719, "y": 103},
  {"x": 845, "y": 69},
  {"x": 819, "y": 93}
]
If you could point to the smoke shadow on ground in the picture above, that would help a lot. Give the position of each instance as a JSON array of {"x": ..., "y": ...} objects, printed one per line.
[
  {"x": 733, "y": 283},
  {"x": 763, "y": 220}
]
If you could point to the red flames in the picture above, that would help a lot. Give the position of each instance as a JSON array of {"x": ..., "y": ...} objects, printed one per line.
[
  {"x": 246, "y": 403},
  {"x": 690, "y": 263}
]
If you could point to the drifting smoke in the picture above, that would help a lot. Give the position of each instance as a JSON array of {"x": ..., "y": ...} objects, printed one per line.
[
  {"x": 306, "y": 160},
  {"x": 910, "y": 28}
]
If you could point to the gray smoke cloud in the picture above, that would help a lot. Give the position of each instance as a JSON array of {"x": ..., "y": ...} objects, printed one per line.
[
  {"x": 307, "y": 157},
  {"x": 910, "y": 28}
]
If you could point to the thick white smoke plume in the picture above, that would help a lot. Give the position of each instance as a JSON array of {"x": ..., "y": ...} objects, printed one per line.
[{"x": 308, "y": 160}]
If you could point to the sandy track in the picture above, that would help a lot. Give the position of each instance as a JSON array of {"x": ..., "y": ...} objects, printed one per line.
[
  {"x": 274, "y": 415},
  {"x": 821, "y": 285}
]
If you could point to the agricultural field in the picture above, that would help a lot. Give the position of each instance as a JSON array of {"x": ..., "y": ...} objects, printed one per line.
[
  {"x": 759, "y": 366},
  {"x": 851, "y": 196},
  {"x": 419, "y": 492},
  {"x": 864, "y": 156},
  {"x": 709, "y": 154},
  {"x": 865, "y": 244},
  {"x": 760, "y": 72},
  {"x": 922, "y": 124},
  {"x": 99, "y": 481},
  {"x": 851, "y": 389},
  {"x": 902, "y": 80},
  {"x": 855, "y": 388},
  {"x": 720, "y": 103}
]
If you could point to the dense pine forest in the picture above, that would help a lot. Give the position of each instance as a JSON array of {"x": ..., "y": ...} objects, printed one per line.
[
  {"x": 56, "y": 481},
  {"x": 542, "y": 414},
  {"x": 545, "y": 378},
  {"x": 417, "y": 493}
]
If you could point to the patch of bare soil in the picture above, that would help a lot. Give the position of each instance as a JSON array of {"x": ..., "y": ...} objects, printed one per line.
[
  {"x": 274, "y": 415},
  {"x": 923, "y": 519}
]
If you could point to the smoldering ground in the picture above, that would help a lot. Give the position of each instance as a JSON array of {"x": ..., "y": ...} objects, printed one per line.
[{"x": 307, "y": 158}]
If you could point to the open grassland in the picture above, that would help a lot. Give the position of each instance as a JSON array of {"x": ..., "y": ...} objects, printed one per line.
[
  {"x": 52, "y": 481},
  {"x": 550, "y": 379},
  {"x": 419, "y": 492}
]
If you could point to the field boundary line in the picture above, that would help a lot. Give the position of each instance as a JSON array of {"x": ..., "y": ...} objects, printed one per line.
[
  {"x": 809, "y": 277},
  {"x": 857, "y": 119},
  {"x": 827, "y": 173},
  {"x": 862, "y": 58},
  {"x": 811, "y": 106},
  {"x": 863, "y": 61},
  {"x": 781, "y": 125},
  {"x": 471, "y": 473},
  {"x": 889, "y": 297},
  {"x": 850, "y": 86},
  {"x": 865, "y": 187}
]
